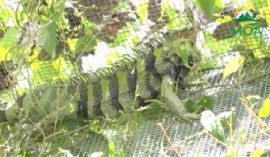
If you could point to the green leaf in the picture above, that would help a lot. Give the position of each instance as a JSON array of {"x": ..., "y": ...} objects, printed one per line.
[
  {"x": 112, "y": 150},
  {"x": 9, "y": 37},
  {"x": 142, "y": 9},
  {"x": 212, "y": 123},
  {"x": 7, "y": 41},
  {"x": 264, "y": 111},
  {"x": 184, "y": 54},
  {"x": 47, "y": 38},
  {"x": 207, "y": 6},
  {"x": 206, "y": 101},
  {"x": 165, "y": 7},
  {"x": 218, "y": 131},
  {"x": 228, "y": 119},
  {"x": 191, "y": 105},
  {"x": 4, "y": 17},
  {"x": 210, "y": 7}
]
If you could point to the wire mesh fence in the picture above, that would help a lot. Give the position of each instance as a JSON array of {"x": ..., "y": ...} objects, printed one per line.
[{"x": 50, "y": 44}]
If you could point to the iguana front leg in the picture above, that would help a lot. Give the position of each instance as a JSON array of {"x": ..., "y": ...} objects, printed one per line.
[{"x": 172, "y": 102}]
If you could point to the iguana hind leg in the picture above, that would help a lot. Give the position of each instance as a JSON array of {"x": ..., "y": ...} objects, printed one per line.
[{"x": 172, "y": 102}]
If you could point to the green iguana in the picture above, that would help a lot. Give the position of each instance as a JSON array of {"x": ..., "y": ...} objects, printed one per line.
[{"x": 105, "y": 92}]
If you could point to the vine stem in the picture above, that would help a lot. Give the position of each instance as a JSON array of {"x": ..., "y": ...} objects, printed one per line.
[{"x": 168, "y": 139}]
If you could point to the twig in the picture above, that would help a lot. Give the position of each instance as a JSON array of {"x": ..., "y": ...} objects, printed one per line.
[
  {"x": 192, "y": 137},
  {"x": 154, "y": 101},
  {"x": 168, "y": 139},
  {"x": 66, "y": 134}
]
